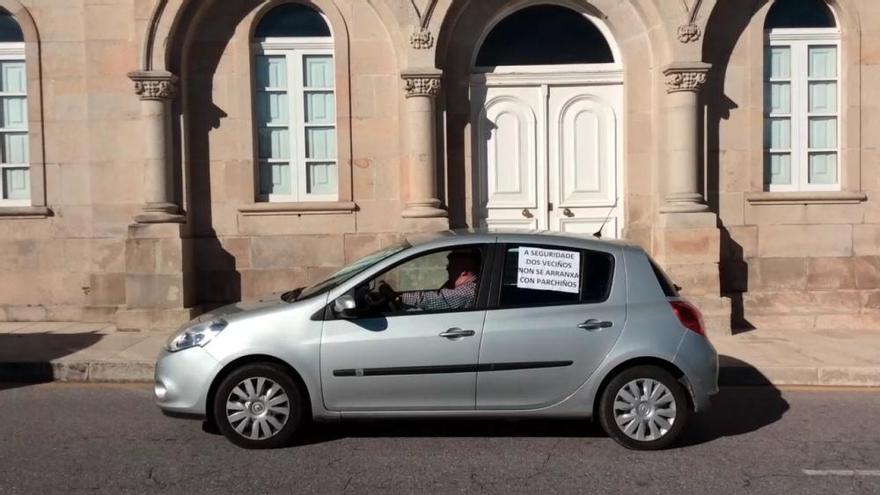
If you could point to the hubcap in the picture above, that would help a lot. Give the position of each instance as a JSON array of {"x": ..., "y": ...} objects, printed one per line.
[
  {"x": 644, "y": 409},
  {"x": 257, "y": 408}
]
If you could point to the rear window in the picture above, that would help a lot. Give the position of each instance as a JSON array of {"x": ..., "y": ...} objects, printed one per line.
[
  {"x": 573, "y": 276},
  {"x": 665, "y": 284}
]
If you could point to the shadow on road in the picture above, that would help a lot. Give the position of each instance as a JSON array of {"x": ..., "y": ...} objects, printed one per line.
[
  {"x": 747, "y": 402},
  {"x": 26, "y": 358},
  {"x": 320, "y": 433},
  {"x": 736, "y": 410}
]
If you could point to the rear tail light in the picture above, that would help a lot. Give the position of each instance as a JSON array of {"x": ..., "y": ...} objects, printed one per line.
[{"x": 689, "y": 316}]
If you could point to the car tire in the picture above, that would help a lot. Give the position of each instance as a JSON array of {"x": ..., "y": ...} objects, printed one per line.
[
  {"x": 644, "y": 408},
  {"x": 258, "y": 406}
]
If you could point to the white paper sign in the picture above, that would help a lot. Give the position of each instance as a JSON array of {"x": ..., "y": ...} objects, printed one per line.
[{"x": 549, "y": 269}]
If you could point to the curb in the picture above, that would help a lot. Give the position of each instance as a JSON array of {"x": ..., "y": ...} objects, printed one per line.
[
  {"x": 823, "y": 376},
  {"x": 142, "y": 371},
  {"x": 78, "y": 371}
]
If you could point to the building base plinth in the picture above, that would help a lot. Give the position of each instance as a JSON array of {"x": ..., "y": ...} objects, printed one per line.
[
  {"x": 158, "y": 285},
  {"x": 154, "y": 320},
  {"x": 688, "y": 246}
]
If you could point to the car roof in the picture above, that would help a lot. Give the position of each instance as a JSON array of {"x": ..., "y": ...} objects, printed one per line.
[{"x": 463, "y": 236}]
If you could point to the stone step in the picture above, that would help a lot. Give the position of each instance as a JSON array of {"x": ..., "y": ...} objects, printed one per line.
[{"x": 868, "y": 322}]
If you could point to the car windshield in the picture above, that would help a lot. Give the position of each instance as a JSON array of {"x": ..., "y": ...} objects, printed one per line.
[{"x": 351, "y": 270}]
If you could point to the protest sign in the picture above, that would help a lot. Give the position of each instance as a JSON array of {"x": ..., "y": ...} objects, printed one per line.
[{"x": 549, "y": 269}]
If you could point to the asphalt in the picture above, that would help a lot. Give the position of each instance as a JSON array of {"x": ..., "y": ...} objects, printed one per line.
[
  {"x": 95, "y": 352},
  {"x": 110, "y": 438}
]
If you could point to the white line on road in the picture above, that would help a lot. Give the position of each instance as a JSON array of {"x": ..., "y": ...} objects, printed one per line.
[{"x": 841, "y": 472}]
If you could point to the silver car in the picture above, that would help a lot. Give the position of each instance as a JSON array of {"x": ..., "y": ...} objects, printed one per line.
[{"x": 458, "y": 325}]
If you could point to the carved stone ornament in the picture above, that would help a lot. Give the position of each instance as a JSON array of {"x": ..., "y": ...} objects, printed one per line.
[
  {"x": 421, "y": 39},
  {"x": 154, "y": 85},
  {"x": 688, "y": 33},
  {"x": 684, "y": 80},
  {"x": 421, "y": 86}
]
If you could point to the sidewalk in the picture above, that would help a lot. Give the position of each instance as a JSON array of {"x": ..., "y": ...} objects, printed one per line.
[{"x": 99, "y": 353}]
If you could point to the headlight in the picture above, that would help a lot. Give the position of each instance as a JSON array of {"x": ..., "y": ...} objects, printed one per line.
[{"x": 196, "y": 334}]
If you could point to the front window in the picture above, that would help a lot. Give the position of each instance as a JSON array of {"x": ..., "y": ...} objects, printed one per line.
[
  {"x": 351, "y": 270},
  {"x": 15, "y": 187},
  {"x": 295, "y": 106},
  {"x": 444, "y": 280},
  {"x": 802, "y": 98}
]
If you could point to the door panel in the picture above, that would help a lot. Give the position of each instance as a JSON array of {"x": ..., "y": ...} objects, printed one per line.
[
  {"x": 394, "y": 363},
  {"x": 583, "y": 161},
  {"x": 568, "y": 136},
  {"x": 589, "y": 225},
  {"x": 508, "y": 126},
  {"x": 584, "y": 151},
  {"x": 545, "y": 335},
  {"x": 541, "y": 328}
]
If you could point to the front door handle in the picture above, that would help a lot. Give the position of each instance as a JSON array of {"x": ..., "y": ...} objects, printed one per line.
[
  {"x": 457, "y": 333},
  {"x": 593, "y": 324}
]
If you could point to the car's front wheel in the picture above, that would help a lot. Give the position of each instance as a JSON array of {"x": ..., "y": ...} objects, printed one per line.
[
  {"x": 258, "y": 406},
  {"x": 644, "y": 408}
]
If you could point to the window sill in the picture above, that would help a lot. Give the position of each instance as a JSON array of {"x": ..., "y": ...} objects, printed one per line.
[
  {"x": 806, "y": 198},
  {"x": 17, "y": 212},
  {"x": 300, "y": 208}
]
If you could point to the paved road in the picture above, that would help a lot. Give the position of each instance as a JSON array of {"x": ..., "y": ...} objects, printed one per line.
[{"x": 110, "y": 438}]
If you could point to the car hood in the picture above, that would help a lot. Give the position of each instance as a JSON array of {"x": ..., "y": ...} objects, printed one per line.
[{"x": 239, "y": 307}]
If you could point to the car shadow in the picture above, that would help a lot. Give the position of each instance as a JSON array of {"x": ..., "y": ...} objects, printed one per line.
[
  {"x": 747, "y": 401},
  {"x": 526, "y": 428},
  {"x": 27, "y": 358}
]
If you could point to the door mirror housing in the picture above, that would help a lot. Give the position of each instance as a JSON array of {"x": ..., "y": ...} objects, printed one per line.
[{"x": 345, "y": 307}]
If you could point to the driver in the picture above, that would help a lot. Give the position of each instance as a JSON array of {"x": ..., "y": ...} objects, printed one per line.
[{"x": 459, "y": 291}]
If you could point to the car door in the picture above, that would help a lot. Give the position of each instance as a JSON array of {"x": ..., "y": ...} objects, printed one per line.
[
  {"x": 556, "y": 314},
  {"x": 415, "y": 358}
]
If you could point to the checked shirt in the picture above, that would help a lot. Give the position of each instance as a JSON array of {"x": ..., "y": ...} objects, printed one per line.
[{"x": 461, "y": 297}]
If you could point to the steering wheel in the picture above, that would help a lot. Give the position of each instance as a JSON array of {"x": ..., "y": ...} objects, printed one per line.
[{"x": 381, "y": 301}]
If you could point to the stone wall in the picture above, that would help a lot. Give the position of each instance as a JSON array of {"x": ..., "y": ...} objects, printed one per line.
[
  {"x": 69, "y": 263},
  {"x": 803, "y": 260},
  {"x": 783, "y": 261}
]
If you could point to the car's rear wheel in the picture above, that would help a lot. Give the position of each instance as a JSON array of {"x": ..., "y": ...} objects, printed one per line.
[
  {"x": 644, "y": 408},
  {"x": 258, "y": 406}
]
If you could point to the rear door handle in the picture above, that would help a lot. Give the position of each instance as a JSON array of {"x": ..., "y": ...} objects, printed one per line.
[
  {"x": 457, "y": 333},
  {"x": 593, "y": 324}
]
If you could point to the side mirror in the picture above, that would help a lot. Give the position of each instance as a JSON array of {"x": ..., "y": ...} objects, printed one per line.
[{"x": 345, "y": 307}]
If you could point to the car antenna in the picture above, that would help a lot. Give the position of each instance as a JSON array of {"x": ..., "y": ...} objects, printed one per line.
[{"x": 598, "y": 233}]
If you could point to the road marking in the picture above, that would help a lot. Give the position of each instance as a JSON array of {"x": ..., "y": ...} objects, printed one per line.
[{"x": 841, "y": 472}]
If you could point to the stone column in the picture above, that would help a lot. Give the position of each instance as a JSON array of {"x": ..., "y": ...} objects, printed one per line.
[
  {"x": 157, "y": 90},
  {"x": 683, "y": 83},
  {"x": 420, "y": 155},
  {"x": 687, "y": 241}
]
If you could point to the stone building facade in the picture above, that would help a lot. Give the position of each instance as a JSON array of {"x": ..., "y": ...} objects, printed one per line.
[{"x": 162, "y": 156}]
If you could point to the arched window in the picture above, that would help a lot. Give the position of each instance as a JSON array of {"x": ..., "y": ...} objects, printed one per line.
[
  {"x": 14, "y": 163},
  {"x": 295, "y": 106},
  {"x": 544, "y": 35},
  {"x": 802, "y": 97}
]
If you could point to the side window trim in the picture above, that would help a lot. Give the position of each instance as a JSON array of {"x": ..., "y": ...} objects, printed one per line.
[
  {"x": 498, "y": 275},
  {"x": 483, "y": 287}
]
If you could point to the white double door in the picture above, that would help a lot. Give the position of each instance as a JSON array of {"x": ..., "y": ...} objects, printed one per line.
[{"x": 548, "y": 156}]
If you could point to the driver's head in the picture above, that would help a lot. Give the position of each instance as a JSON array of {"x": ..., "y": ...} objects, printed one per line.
[{"x": 463, "y": 262}]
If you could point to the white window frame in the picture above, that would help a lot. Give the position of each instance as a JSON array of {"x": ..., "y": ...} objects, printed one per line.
[
  {"x": 799, "y": 40},
  {"x": 15, "y": 52},
  {"x": 295, "y": 50}
]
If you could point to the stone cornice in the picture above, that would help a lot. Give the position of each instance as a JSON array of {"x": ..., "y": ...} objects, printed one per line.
[
  {"x": 686, "y": 76},
  {"x": 422, "y": 82},
  {"x": 154, "y": 85}
]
